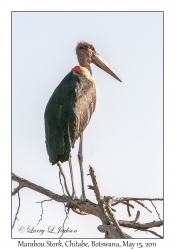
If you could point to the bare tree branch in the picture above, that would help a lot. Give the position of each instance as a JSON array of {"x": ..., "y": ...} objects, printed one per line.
[
  {"x": 126, "y": 200},
  {"x": 156, "y": 210},
  {"x": 42, "y": 210},
  {"x": 103, "y": 210},
  {"x": 119, "y": 199},
  {"x": 150, "y": 231},
  {"x": 144, "y": 226},
  {"x": 137, "y": 216},
  {"x": 156, "y": 234},
  {"x": 16, "y": 218},
  {"x": 143, "y": 199},
  {"x": 127, "y": 203},
  {"x": 129, "y": 213},
  {"x": 37, "y": 188},
  {"x": 109, "y": 201},
  {"x": 108, "y": 218},
  {"x": 67, "y": 213},
  {"x": 143, "y": 205},
  {"x": 16, "y": 190},
  {"x": 95, "y": 185}
]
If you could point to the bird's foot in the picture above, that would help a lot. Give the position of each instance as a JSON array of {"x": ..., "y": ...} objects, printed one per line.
[
  {"x": 83, "y": 197},
  {"x": 74, "y": 196}
]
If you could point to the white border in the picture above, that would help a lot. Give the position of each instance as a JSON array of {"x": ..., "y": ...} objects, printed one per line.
[{"x": 5, "y": 99}]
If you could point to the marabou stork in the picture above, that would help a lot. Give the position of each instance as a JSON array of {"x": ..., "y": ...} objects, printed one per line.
[{"x": 70, "y": 108}]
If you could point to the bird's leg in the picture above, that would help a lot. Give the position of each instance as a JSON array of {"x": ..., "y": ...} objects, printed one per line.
[
  {"x": 80, "y": 159},
  {"x": 72, "y": 178}
]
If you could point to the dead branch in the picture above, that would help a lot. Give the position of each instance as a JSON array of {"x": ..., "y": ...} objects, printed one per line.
[
  {"x": 120, "y": 199},
  {"x": 103, "y": 209},
  {"x": 143, "y": 205},
  {"x": 16, "y": 190},
  {"x": 110, "y": 224},
  {"x": 139, "y": 226},
  {"x": 16, "y": 218},
  {"x": 152, "y": 232},
  {"x": 37, "y": 188},
  {"x": 95, "y": 187},
  {"x": 42, "y": 210},
  {"x": 126, "y": 200},
  {"x": 156, "y": 210},
  {"x": 156, "y": 234},
  {"x": 67, "y": 213},
  {"x": 137, "y": 216},
  {"x": 129, "y": 213},
  {"x": 125, "y": 203}
]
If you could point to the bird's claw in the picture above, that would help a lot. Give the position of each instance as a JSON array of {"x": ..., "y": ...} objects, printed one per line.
[
  {"x": 74, "y": 196},
  {"x": 83, "y": 197}
]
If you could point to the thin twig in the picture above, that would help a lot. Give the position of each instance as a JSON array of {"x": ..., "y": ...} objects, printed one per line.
[
  {"x": 67, "y": 213},
  {"x": 137, "y": 200},
  {"x": 143, "y": 205},
  {"x": 123, "y": 202},
  {"x": 42, "y": 210},
  {"x": 116, "y": 203},
  {"x": 147, "y": 199},
  {"x": 150, "y": 231},
  {"x": 137, "y": 216},
  {"x": 129, "y": 213},
  {"x": 144, "y": 199},
  {"x": 158, "y": 235},
  {"x": 127, "y": 203},
  {"x": 95, "y": 185},
  {"x": 41, "y": 216},
  {"x": 133, "y": 199},
  {"x": 16, "y": 218},
  {"x": 156, "y": 210}
]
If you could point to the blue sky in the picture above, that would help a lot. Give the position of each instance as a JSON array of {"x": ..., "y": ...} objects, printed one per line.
[{"x": 124, "y": 139}]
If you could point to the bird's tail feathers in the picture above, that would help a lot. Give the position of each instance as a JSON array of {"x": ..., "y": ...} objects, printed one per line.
[{"x": 59, "y": 144}]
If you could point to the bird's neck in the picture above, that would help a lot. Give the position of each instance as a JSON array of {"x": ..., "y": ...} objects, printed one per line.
[
  {"x": 87, "y": 66},
  {"x": 84, "y": 62}
]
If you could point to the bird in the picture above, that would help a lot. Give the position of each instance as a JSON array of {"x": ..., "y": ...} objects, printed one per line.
[{"x": 70, "y": 109}]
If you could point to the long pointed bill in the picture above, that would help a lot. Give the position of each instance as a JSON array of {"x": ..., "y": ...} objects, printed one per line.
[{"x": 100, "y": 62}]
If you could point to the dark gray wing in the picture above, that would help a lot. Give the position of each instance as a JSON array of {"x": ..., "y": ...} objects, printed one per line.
[
  {"x": 56, "y": 119},
  {"x": 67, "y": 114}
]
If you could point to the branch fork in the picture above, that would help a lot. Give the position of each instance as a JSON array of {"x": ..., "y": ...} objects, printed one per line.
[{"x": 103, "y": 209}]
